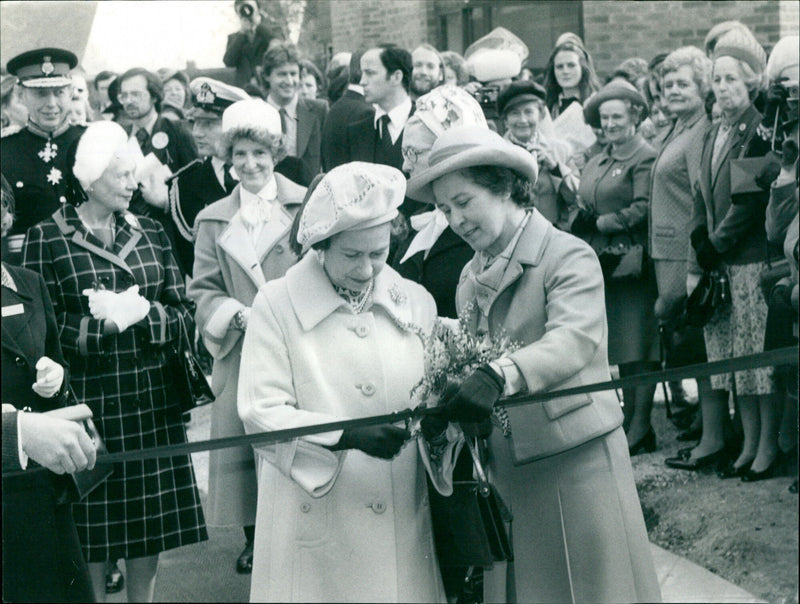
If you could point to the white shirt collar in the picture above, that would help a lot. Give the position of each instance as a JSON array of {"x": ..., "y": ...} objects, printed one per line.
[
  {"x": 268, "y": 193},
  {"x": 356, "y": 88},
  {"x": 290, "y": 109},
  {"x": 398, "y": 116}
]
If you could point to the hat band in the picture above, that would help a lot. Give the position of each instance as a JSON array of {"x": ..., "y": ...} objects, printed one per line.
[
  {"x": 47, "y": 82},
  {"x": 449, "y": 152}
]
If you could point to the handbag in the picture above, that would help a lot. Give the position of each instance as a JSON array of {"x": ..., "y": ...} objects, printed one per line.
[
  {"x": 769, "y": 277},
  {"x": 623, "y": 261},
  {"x": 713, "y": 292},
  {"x": 470, "y": 525},
  {"x": 190, "y": 384}
]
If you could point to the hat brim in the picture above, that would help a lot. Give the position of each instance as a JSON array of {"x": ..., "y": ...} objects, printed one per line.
[
  {"x": 591, "y": 110},
  {"x": 201, "y": 113},
  {"x": 51, "y": 82},
  {"x": 512, "y": 157}
]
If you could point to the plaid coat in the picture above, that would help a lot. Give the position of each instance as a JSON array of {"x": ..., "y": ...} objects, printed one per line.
[{"x": 148, "y": 506}]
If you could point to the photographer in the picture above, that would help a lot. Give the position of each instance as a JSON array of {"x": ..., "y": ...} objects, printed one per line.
[{"x": 246, "y": 46}]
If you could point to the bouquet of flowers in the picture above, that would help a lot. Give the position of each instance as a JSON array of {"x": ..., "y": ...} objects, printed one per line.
[{"x": 452, "y": 353}]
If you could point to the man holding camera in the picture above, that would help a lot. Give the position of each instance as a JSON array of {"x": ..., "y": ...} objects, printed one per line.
[{"x": 246, "y": 46}]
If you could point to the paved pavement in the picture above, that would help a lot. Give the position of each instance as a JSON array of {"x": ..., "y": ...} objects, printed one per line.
[{"x": 205, "y": 572}]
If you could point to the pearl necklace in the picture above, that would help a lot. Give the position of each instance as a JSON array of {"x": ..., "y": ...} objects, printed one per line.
[{"x": 356, "y": 300}]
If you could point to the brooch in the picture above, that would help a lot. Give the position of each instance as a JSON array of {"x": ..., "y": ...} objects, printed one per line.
[
  {"x": 397, "y": 295},
  {"x": 49, "y": 152},
  {"x": 160, "y": 140},
  {"x": 54, "y": 177},
  {"x": 616, "y": 172},
  {"x": 132, "y": 220}
]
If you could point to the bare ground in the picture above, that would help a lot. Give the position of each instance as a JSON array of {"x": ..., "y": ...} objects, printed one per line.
[{"x": 745, "y": 532}]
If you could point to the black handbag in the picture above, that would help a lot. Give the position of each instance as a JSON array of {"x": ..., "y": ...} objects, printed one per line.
[
  {"x": 623, "y": 261},
  {"x": 713, "y": 292},
  {"x": 190, "y": 385},
  {"x": 769, "y": 277},
  {"x": 470, "y": 525}
]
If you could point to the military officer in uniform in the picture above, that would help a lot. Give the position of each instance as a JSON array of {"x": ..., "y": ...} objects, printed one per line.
[
  {"x": 209, "y": 178},
  {"x": 34, "y": 159}
]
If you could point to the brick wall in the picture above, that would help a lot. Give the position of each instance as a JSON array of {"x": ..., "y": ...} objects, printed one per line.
[
  {"x": 617, "y": 29},
  {"x": 366, "y": 23}
]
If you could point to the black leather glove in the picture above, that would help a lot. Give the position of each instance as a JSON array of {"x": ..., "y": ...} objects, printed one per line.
[
  {"x": 789, "y": 153},
  {"x": 384, "y": 441},
  {"x": 700, "y": 233},
  {"x": 433, "y": 425},
  {"x": 585, "y": 223},
  {"x": 768, "y": 174},
  {"x": 774, "y": 100},
  {"x": 475, "y": 399},
  {"x": 707, "y": 256}
]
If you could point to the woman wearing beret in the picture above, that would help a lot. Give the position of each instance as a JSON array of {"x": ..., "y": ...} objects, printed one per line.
[
  {"x": 343, "y": 515},
  {"x": 522, "y": 107},
  {"x": 562, "y": 466},
  {"x": 242, "y": 243},
  {"x": 119, "y": 302},
  {"x": 613, "y": 201},
  {"x": 728, "y": 236}
]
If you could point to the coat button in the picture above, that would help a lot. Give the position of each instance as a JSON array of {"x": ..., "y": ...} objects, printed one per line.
[
  {"x": 279, "y": 249},
  {"x": 378, "y": 507},
  {"x": 20, "y": 362},
  {"x": 362, "y": 331},
  {"x": 305, "y": 507},
  {"x": 367, "y": 389}
]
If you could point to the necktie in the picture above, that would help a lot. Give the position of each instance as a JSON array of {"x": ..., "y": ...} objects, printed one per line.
[
  {"x": 142, "y": 137},
  {"x": 383, "y": 129},
  {"x": 284, "y": 118},
  {"x": 229, "y": 181}
]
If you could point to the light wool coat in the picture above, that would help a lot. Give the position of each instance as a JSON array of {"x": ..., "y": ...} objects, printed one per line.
[
  {"x": 336, "y": 526},
  {"x": 228, "y": 270}
]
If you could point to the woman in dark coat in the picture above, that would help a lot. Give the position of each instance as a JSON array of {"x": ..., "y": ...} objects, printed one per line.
[
  {"x": 118, "y": 295},
  {"x": 42, "y": 559},
  {"x": 614, "y": 196}
]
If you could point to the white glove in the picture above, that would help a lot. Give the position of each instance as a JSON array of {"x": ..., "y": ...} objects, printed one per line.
[
  {"x": 101, "y": 302},
  {"x": 129, "y": 308},
  {"x": 49, "y": 377},
  {"x": 691, "y": 283}
]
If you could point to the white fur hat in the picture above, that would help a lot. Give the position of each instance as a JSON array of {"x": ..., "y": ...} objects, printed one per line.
[
  {"x": 357, "y": 195},
  {"x": 786, "y": 53},
  {"x": 252, "y": 113},
  {"x": 96, "y": 148}
]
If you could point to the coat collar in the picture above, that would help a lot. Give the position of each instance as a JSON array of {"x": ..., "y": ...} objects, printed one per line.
[
  {"x": 128, "y": 234},
  {"x": 12, "y": 326},
  {"x": 314, "y": 298}
]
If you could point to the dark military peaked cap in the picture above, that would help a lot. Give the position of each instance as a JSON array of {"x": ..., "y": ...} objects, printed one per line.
[
  {"x": 212, "y": 97},
  {"x": 43, "y": 67}
]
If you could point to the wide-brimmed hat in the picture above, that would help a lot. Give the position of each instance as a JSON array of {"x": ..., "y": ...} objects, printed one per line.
[
  {"x": 618, "y": 90},
  {"x": 521, "y": 91},
  {"x": 356, "y": 195},
  {"x": 466, "y": 147}
]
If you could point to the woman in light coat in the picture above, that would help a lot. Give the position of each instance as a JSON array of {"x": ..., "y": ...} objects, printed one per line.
[
  {"x": 342, "y": 515},
  {"x": 562, "y": 466},
  {"x": 242, "y": 242}
]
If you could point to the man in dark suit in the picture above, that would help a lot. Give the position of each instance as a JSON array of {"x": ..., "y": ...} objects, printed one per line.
[
  {"x": 34, "y": 158},
  {"x": 206, "y": 179},
  {"x": 302, "y": 119},
  {"x": 141, "y": 94},
  {"x": 246, "y": 46},
  {"x": 351, "y": 107}
]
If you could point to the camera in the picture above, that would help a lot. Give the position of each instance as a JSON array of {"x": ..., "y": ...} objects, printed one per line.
[
  {"x": 246, "y": 11},
  {"x": 487, "y": 98},
  {"x": 780, "y": 111}
]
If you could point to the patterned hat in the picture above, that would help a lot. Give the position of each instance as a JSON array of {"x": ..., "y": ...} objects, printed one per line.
[
  {"x": 43, "y": 67},
  {"x": 357, "y": 195},
  {"x": 212, "y": 97},
  {"x": 740, "y": 44}
]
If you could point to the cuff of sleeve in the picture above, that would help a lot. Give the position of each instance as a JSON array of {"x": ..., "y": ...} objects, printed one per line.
[
  {"x": 23, "y": 457},
  {"x": 717, "y": 243},
  {"x": 219, "y": 323},
  {"x": 515, "y": 382},
  {"x": 90, "y": 336}
]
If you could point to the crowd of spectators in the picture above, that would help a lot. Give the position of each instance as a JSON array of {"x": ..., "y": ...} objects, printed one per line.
[{"x": 679, "y": 170}]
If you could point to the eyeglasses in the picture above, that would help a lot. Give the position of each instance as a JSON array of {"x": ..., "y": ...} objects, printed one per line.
[{"x": 411, "y": 154}]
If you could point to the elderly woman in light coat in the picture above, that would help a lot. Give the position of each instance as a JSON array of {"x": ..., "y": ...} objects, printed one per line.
[
  {"x": 342, "y": 515},
  {"x": 242, "y": 242},
  {"x": 562, "y": 466}
]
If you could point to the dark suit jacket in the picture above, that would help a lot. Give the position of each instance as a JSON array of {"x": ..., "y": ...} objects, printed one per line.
[
  {"x": 311, "y": 115},
  {"x": 42, "y": 560},
  {"x": 245, "y": 54},
  {"x": 350, "y": 108},
  {"x": 735, "y": 222}
]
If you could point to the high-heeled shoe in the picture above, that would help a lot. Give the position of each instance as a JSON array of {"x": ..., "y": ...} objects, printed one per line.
[
  {"x": 679, "y": 463},
  {"x": 770, "y": 471},
  {"x": 645, "y": 443},
  {"x": 728, "y": 470}
]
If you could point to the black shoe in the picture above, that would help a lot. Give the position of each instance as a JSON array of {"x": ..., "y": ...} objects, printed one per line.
[
  {"x": 115, "y": 580},
  {"x": 690, "y": 434},
  {"x": 685, "y": 453},
  {"x": 698, "y": 463},
  {"x": 730, "y": 471},
  {"x": 645, "y": 443},
  {"x": 244, "y": 563},
  {"x": 683, "y": 418},
  {"x": 771, "y": 471}
]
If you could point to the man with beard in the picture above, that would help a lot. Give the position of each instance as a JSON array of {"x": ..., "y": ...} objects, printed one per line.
[
  {"x": 34, "y": 159},
  {"x": 428, "y": 70},
  {"x": 208, "y": 178},
  {"x": 141, "y": 94}
]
